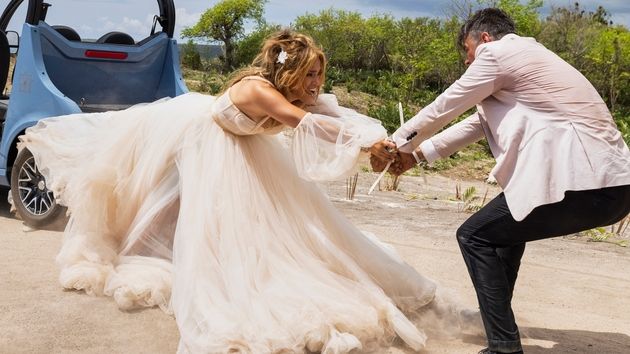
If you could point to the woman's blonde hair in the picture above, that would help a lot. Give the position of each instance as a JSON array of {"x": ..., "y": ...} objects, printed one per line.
[{"x": 286, "y": 75}]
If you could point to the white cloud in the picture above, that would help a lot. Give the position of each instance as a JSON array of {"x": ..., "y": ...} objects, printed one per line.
[
  {"x": 186, "y": 19},
  {"x": 136, "y": 28},
  {"x": 183, "y": 19}
]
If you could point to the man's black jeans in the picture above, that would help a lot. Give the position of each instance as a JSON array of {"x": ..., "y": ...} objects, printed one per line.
[{"x": 492, "y": 244}]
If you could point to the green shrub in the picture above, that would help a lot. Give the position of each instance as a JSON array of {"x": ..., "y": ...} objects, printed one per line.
[
  {"x": 623, "y": 123},
  {"x": 211, "y": 82},
  {"x": 248, "y": 47},
  {"x": 388, "y": 114},
  {"x": 190, "y": 56}
]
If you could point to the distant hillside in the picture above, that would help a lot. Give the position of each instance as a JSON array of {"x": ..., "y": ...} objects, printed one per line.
[{"x": 206, "y": 51}]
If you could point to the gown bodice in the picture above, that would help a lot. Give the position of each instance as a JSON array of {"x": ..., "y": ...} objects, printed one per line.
[{"x": 232, "y": 120}]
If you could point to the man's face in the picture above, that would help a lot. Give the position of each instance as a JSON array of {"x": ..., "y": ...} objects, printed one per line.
[{"x": 473, "y": 40}]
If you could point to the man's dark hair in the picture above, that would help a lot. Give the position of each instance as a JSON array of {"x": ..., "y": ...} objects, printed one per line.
[{"x": 492, "y": 20}]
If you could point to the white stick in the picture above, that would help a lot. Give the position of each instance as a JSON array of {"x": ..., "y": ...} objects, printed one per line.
[
  {"x": 379, "y": 178},
  {"x": 383, "y": 172},
  {"x": 402, "y": 121}
]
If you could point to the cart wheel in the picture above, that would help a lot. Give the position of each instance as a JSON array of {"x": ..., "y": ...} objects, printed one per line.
[{"x": 33, "y": 201}]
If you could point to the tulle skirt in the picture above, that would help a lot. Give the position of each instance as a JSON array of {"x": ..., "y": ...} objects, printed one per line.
[{"x": 169, "y": 210}]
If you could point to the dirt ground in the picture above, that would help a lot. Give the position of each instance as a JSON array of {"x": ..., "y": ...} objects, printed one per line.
[{"x": 571, "y": 297}]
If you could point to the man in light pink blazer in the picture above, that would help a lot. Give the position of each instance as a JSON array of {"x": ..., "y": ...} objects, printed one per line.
[{"x": 560, "y": 158}]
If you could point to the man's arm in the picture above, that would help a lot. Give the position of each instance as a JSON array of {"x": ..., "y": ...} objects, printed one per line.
[
  {"x": 481, "y": 80},
  {"x": 441, "y": 145},
  {"x": 452, "y": 139}
]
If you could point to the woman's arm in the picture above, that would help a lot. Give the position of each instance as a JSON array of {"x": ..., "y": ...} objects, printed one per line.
[{"x": 258, "y": 99}]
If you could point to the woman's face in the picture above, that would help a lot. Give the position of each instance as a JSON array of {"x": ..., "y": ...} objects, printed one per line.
[{"x": 312, "y": 84}]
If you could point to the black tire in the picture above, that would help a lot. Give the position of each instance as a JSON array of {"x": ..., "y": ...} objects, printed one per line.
[{"x": 33, "y": 201}]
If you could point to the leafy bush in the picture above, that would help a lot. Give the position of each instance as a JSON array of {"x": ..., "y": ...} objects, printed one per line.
[
  {"x": 212, "y": 83},
  {"x": 389, "y": 114},
  {"x": 247, "y": 48},
  {"x": 471, "y": 202},
  {"x": 190, "y": 56},
  {"x": 623, "y": 123}
]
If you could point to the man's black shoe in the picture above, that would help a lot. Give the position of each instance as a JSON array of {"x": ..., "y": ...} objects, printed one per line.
[{"x": 488, "y": 351}]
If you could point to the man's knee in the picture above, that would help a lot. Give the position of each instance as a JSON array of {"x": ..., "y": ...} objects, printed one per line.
[{"x": 464, "y": 233}]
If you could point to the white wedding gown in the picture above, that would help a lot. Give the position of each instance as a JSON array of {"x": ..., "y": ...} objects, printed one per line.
[{"x": 189, "y": 205}]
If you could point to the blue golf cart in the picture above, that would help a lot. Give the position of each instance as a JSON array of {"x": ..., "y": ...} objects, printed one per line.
[{"x": 57, "y": 73}]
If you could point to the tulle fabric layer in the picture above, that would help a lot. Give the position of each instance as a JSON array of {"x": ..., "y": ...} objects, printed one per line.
[
  {"x": 169, "y": 210},
  {"x": 328, "y": 140}
]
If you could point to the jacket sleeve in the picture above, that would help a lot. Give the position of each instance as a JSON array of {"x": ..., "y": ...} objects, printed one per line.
[
  {"x": 453, "y": 139},
  {"x": 481, "y": 80}
]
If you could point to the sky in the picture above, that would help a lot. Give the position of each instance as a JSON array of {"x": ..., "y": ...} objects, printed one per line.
[{"x": 92, "y": 18}]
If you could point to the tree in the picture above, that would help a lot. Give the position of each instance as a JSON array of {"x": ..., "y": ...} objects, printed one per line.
[
  {"x": 225, "y": 22},
  {"x": 602, "y": 16},
  {"x": 570, "y": 32},
  {"x": 526, "y": 16},
  {"x": 339, "y": 33},
  {"x": 609, "y": 66},
  {"x": 190, "y": 56},
  {"x": 250, "y": 45},
  {"x": 351, "y": 41}
]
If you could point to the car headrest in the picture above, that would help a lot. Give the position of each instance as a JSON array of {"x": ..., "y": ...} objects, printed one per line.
[
  {"x": 69, "y": 33},
  {"x": 116, "y": 38}
]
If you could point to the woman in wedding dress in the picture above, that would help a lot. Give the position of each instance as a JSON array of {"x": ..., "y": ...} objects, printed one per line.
[{"x": 193, "y": 204}]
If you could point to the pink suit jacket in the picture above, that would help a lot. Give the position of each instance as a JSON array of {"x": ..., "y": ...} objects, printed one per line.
[{"x": 546, "y": 125}]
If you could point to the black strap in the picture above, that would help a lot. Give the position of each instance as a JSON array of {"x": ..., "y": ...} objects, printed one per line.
[{"x": 156, "y": 19}]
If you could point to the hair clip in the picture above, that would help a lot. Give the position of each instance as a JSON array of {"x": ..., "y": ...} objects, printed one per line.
[{"x": 282, "y": 56}]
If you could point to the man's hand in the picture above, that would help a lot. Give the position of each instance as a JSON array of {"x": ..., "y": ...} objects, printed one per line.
[
  {"x": 384, "y": 150},
  {"x": 402, "y": 163},
  {"x": 381, "y": 153},
  {"x": 378, "y": 165}
]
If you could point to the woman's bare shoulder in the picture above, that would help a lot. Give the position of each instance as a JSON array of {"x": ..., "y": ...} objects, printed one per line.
[{"x": 252, "y": 91}]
